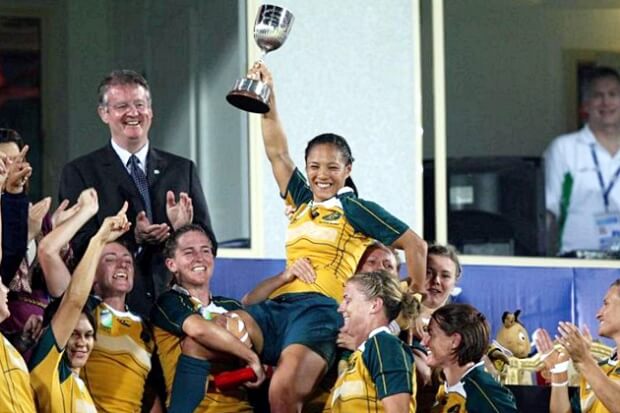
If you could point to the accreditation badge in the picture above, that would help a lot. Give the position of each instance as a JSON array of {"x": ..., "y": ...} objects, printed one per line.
[{"x": 608, "y": 227}]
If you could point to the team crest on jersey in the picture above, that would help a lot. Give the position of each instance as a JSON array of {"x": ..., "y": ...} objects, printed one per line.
[{"x": 334, "y": 216}]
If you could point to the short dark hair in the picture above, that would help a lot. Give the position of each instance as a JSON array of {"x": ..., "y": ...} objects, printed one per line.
[
  {"x": 470, "y": 324},
  {"x": 597, "y": 73},
  {"x": 341, "y": 144},
  {"x": 11, "y": 135},
  {"x": 121, "y": 77},
  {"x": 173, "y": 242},
  {"x": 52, "y": 308},
  {"x": 446, "y": 251}
]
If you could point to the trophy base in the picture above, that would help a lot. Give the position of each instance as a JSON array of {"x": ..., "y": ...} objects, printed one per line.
[{"x": 250, "y": 95}]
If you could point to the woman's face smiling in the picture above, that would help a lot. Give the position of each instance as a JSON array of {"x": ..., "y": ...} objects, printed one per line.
[
  {"x": 80, "y": 343},
  {"x": 441, "y": 276},
  {"x": 326, "y": 170}
]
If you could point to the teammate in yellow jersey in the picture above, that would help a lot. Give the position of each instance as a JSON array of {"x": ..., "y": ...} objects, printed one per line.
[
  {"x": 66, "y": 344},
  {"x": 380, "y": 374},
  {"x": 600, "y": 381},
  {"x": 124, "y": 344},
  {"x": 190, "y": 342},
  {"x": 15, "y": 391},
  {"x": 330, "y": 227},
  {"x": 457, "y": 339}
]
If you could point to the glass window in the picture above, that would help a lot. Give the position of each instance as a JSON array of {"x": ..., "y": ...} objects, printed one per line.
[{"x": 513, "y": 70}]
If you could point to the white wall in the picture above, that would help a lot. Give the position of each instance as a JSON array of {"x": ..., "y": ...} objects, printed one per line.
[{"x": 347, "y": 68}]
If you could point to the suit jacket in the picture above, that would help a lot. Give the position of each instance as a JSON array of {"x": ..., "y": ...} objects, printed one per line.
[{"x": 104, "y": 171}]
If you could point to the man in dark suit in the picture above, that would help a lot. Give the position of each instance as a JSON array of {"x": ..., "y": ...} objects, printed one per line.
[{"x": 129, "y": 169}]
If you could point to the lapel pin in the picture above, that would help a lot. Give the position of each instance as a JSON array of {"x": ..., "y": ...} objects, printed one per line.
[{"x": 156, "y": 171}]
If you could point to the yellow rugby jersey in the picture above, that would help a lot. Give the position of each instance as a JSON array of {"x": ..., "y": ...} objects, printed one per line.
[
  {"x": 477, "y": 391},
  {"x": 382, "y": 366},
  {"x": 167, "y": 316},
  {"x": 589, "y": 402},
  {"x": 55, "y": 386},
  {"x": 123, "y": 346},
  {"x": 333, "y": 235},
  {"x": 15, "y": 391}
]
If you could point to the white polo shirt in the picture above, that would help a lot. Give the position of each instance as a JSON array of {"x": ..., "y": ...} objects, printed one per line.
[{"x": 571, "y": 174}]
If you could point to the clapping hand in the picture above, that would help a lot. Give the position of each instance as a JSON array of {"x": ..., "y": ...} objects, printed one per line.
[
  {"x": 61, "y": 214},
  {"x": 88, "y": 202},
  {"x": 36, "y": 213},
  {"x": 577, "y": 343},
  {"x": 548, "y": 354},
  {"x": 179, "y": 213},
  {"x": 148, "y": 233}
]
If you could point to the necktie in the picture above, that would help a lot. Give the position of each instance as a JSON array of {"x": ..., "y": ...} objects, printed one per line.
[{"x": 139, "y": 179}]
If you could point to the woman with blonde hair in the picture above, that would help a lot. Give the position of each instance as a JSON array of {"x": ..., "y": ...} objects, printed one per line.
[{"x": 380, "y": 374}]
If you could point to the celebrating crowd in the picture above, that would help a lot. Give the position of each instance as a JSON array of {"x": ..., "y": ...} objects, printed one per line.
[{"x": 106, "y": 302}]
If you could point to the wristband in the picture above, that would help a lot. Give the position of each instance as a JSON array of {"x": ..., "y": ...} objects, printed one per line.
[
  {"x": 560, "y": 368},
  {"x": 562, "y": 384}
]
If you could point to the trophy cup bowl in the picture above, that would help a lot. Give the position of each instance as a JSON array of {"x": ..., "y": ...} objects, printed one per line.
[{"x": 271, "y": 28}]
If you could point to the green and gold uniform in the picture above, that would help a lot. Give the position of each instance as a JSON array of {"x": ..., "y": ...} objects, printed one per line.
[
  {"x": 382, "y": 366},
  {"x": 15, "y": 391},
  {"x": 587, "y": 402},
  {"x": 167, "y": 316},
  {"x": 333, "y": 235},
  {"x": 123, "y": 346},
  {"x": 477, "y": 391},
  {"x": 55, "y": 386}
]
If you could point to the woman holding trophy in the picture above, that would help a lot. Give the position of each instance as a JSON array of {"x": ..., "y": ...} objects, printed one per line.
[{"x": 330, "y": 228}]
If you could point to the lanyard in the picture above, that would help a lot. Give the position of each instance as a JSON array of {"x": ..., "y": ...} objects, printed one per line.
[{"x": 614, "y": 178}]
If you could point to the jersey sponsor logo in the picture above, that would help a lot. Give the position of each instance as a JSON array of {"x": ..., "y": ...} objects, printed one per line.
[
  {"x": 349, "y": 389},
  {"x": 334, "y": 216},
  {"x": 106, "y": 319}
]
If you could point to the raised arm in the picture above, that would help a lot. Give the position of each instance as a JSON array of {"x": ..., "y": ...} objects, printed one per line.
[
  {"x": 274, "y": 137},
  {"x": 559, "y": 401},
  {"x": 68, "y": 313},
  {"x": 577, "y": 344},
  {"x": 415, "y": 255},
  {"x": 55, "y": 272}
]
